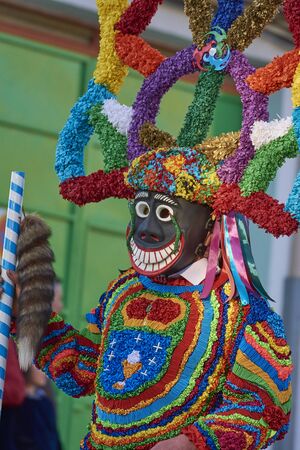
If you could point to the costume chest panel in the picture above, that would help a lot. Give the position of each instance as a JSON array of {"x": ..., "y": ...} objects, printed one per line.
[{"x": 148, "y": 337}]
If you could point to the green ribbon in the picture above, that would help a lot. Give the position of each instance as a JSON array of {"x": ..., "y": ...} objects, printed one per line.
[{"x": 243, "y": 230}]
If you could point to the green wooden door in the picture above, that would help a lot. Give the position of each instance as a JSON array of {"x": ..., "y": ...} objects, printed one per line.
[{"x": 38, "y": 86}]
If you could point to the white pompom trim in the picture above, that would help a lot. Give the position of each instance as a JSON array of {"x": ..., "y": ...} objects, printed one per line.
[
  {"x": 265, "y": 132},
  {"x": 118, "y": 115}
]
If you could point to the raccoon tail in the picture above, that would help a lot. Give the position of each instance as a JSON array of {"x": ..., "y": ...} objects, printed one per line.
[{"x": 36, "y": 277}]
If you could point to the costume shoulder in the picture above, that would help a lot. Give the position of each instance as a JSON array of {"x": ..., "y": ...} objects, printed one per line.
[
  {"x": 256, "y": 396},
  {"x": 260, "y": 310},
  {"x": 118, "y": 285},
  {"x": 265, "y": 352},
  {"x": 122, "y": 278}
]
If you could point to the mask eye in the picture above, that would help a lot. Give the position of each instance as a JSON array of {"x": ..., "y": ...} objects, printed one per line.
[
  {"x": 142, "y": 210},
  {"x": 164, "y": 213}
]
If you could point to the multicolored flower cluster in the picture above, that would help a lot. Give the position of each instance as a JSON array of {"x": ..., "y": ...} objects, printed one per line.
[
  {"x": 127, "y": 133},
  {"x": 182, "y": 172}
]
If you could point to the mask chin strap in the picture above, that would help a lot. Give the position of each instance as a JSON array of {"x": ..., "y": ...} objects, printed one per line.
[
  {"x": 202, "y": 247},
  {"x": 178, "y": 234}
]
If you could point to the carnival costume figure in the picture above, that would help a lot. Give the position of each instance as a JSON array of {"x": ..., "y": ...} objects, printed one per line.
[{"x": 184, "y": 346}]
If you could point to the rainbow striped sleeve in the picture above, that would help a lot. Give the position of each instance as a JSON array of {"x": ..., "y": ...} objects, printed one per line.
[
  {"x": 69, "y": 357},
  {"x": 256, "y": 402}
]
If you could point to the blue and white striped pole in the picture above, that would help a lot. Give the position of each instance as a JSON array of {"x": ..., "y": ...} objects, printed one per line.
[{"x": 12, "y": 230}]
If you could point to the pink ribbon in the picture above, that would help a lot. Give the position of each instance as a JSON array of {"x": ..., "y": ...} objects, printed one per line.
[
  {"x": 212, "y": 261},
  {"x": 226, "y": 265}
]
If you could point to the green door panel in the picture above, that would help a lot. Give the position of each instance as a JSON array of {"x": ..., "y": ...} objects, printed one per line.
[
  {"x": 59, "y": 242},
  {"x": 38, "y": 86},
  {"x": 81, "y": 416},
  {"x": 174, "y": 107},
  {"x": 131, "y": 86},
  {"x": 101, "y": 266},
  {"x": 33, "y": 84},
  {"x": 111, "y": 214},
  {"x": 228, "y": 114},
  {"x": 34, "y": 154}
]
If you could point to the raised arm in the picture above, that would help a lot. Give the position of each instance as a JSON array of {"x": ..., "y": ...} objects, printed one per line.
[
  {"x": 69, "y": 357},
  {"x": 255, "y": 408}
]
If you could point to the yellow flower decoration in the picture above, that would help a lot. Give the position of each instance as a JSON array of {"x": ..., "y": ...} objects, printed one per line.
[
  {"x": 211, "y": 179},
  {"x": 296, "y": 88},
  {"x": 218, "y": 148},
  {"x": 110, "y": 71},
  {"x": 174, "y": 164},
  {"x": 227, "y": 289},
  {"x": 185, "y": 186}
]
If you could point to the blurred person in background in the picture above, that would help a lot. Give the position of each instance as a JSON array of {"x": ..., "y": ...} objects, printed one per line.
[
  {"x": 14, "y": 387},
  {"x": 28, "y": 418},
  {"x": 13, "y": 398},
  {"x": 36, "y": 416}
]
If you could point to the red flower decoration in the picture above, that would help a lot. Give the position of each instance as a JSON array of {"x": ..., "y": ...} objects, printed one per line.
[
  {"x": 262, "y": 209},
  {"x": 160, "y": 310},
  {"x": 275, "y": 417},
  {"x": 291, "y": 10},
  {"x": 231, "y": 440},
  {"x": 96, "y": 187},
  {"x": 132, "y": 21},
  {"x": 138, "y": 54},
  {"x": 276, "y": 75},
  {"x": 195, "y": 437}
]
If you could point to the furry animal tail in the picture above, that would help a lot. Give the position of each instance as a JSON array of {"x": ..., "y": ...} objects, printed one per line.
[{"x": 36, "y": 278}]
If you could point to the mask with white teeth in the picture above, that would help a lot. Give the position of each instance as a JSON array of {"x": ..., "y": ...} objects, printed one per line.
[{"x": 165, "y": 232}]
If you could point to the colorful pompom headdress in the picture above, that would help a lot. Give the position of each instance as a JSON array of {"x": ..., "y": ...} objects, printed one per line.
[{"x": 230, "y": 172}]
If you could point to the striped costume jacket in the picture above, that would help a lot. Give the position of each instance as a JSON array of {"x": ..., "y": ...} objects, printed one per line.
[{"x": 160, "y": 361}]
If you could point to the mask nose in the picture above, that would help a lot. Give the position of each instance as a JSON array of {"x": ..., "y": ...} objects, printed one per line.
[
  {"x": 150, "y": 232},
  {"x": 148, "y": 237}
]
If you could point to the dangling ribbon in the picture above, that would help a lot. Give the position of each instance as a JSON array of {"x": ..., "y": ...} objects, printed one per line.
[
  {"x": 237, "y": 251},
  {"x": 226, "y": 265},
  {"x": 212, "y": 260},
  {"x": 243, "y": 230},
  {"x": 241, "y": 288}
]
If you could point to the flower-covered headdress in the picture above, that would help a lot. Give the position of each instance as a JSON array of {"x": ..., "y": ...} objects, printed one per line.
[{"x": 230, "y": 172}]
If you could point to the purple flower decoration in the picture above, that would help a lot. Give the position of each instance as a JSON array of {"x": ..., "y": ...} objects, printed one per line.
[
  {"x": 146, "y": 106},
  {"x": 255, "y": 107}
]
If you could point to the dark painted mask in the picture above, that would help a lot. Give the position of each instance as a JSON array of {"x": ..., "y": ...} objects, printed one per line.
[{"x": 165, "y": 233}]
